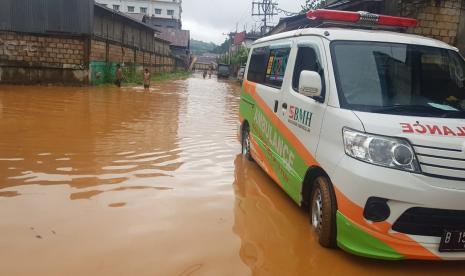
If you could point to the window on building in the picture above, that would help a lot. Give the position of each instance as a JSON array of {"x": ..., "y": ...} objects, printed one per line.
[
  {"x": 143, "y": 10},
  {"x": 157, "y": 11},
  {"x": 130, "y": 8},
  {"x": 170, "y": 12},
  {"x": 307, "y": 60},
  {"x": 116, "y": 7},
  {"x": 276, "y": 66},
  {"x": 257, "y": 66}
]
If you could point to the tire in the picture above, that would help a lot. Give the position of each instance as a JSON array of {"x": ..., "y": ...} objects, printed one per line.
[
  {"x": 323, "y": 212},
  {"x": 246, "y": 143}
]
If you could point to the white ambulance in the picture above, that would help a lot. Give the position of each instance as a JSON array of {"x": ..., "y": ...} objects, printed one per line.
[{"x": 366, "y": 128}]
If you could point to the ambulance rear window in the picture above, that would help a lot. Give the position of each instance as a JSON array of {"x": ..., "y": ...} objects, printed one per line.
[{"x": 257, "y": 65}]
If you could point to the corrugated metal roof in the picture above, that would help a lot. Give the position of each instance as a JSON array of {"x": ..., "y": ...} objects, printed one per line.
[
  {"x": 126, "y": 16},
  {"x": 179, "y": 38},
  {"x": 136, "y": 16},
  {"x": 47, "y": 16}
]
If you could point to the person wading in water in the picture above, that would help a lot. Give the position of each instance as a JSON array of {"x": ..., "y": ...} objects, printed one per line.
[
  {"x": 146, "y": 79},
  {"x": 119, "y": 75}
]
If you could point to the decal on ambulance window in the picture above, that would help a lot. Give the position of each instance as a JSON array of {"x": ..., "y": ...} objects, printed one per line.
[{"x": 277, "y": 62}]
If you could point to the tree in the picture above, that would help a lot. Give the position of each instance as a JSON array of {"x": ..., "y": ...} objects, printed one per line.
[
  {"x": 313, "y": 4},
  {"x": 223, "y": 48},
  {"x": 240, "y": 57}
]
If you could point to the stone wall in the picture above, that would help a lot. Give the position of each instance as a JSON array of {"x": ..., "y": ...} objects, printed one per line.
[
  {"x": 35, "y": 59},
  {"x": 436, "y": 18}
]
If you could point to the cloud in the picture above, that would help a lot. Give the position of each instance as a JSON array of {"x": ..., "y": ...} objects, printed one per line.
[
  {"x": 205, "y": 33},
  {"x": 208, "y": 20}
]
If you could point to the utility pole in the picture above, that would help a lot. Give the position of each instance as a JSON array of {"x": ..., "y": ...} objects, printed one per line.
[{"x": 265, "y": 9}]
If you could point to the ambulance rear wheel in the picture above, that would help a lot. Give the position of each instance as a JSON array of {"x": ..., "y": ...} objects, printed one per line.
[
  {"x": 246, "y": 143},
  {"x": 323, "y": 212}
]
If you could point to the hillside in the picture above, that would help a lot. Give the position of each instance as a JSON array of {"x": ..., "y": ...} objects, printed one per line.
[{"x": 200, "y": 47}]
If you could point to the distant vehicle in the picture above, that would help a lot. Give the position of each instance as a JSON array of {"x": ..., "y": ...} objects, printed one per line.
[
  {"x": 223, "y": 71},
  {"x": 240, "y": 74}
]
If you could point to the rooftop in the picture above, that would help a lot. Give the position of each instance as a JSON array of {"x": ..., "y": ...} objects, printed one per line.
[
  {"x": 124, "y": 15},
  {"x": 178, "y": 38}
]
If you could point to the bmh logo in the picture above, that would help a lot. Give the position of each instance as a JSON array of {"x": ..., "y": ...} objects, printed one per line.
[{"x": 300, "y": 118}]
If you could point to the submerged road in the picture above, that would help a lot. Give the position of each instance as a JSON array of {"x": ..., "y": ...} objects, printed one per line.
[{"x": 106, "y": 181}]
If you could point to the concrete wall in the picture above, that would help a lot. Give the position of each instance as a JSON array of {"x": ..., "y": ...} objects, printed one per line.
[
  {"x": 40, "y": 59},
  {"x": 150, "y": 5}
]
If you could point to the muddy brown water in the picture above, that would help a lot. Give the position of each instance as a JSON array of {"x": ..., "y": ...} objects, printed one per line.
[{"x": 102, "y": 181}]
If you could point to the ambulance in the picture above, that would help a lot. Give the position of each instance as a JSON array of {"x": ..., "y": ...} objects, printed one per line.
[{"x": 364, "y": 126}]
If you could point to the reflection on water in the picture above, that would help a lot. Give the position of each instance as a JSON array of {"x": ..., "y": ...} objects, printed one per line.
[
  {"x": 277, "y": 239},
  {"x": 102, "y": 181},
  {"x": 85, "y": 137}
]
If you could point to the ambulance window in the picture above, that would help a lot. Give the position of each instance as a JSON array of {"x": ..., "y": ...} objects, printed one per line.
[
  {"x": 307, "y": 60},
  {"x": 257, "y": 66},
  {"x": 276, "y": 68}
]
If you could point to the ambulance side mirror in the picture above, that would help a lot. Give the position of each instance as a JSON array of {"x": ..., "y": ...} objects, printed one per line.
[{"x": 310, "y": 84}]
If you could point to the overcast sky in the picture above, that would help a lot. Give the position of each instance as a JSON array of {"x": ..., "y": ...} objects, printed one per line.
[{"x": 209, "y": 19}]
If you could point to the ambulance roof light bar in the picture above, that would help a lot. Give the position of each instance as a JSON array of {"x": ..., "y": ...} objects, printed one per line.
[{"x": 364, "y": 18}]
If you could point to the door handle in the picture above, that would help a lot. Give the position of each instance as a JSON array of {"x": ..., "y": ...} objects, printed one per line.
[
  {"x": 284, "y": 105},
  {"x": 276, "y": 106}
]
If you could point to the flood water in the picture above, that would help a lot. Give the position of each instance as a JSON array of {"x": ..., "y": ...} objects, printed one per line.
[{"x": 106, "y": 181}]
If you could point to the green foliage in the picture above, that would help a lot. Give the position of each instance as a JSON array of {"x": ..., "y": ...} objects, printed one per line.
[
  {"x": 223, "y": 48},
  {"x": 224, "y": 59},
  {"x": 238, "y": 58},
  {"x": 199, "y": 47},
  {"x": 132, "y": 77},
  {"x": 170, "y": 76},
  {"x": 313, "y": 4}
]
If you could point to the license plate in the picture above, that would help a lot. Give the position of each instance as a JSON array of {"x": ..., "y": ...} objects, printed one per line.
[{"x": 452, "y": 241}]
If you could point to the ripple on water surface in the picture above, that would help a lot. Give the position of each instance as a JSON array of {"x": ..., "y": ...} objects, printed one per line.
[{"x": 105, "y": 181}]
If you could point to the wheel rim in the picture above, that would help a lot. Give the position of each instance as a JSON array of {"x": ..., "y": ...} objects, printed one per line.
[
  {"x": 317, "y": 211},
  {"x": 246, "y": 143}
]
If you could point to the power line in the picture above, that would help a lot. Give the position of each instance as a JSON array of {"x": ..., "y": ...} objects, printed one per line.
[
  {"x": 286, "y": 13},
  {"x": 265, "y": 9}
]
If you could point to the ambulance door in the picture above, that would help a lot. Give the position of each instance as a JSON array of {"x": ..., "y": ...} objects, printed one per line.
[
  {"x": 301, "y": 114},
  {"x": 267, "y": 68}
]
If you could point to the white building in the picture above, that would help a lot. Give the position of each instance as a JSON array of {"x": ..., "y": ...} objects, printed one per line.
[{"x": 170, "y": 9}]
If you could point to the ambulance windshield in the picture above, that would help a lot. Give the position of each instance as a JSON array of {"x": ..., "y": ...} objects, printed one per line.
[{"x": 400, "y": 79}]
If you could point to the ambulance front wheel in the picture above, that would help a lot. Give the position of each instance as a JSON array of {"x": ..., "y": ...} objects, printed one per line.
[
  {"x": 246, "y": 142},
  {"x": 323, "y": 212}
]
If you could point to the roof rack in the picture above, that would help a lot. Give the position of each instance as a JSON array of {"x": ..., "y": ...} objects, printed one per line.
[{"x": 358, "y": 20}]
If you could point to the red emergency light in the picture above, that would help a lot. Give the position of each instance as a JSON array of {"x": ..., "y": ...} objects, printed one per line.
[{"x": 361, "y": 18}]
